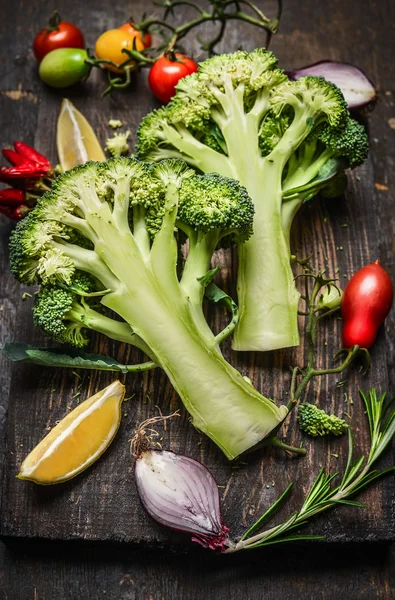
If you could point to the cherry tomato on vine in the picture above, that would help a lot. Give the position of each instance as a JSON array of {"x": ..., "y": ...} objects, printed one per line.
[
  {"x": 58, "y": 34},
  {"x": 166, "y": 73},
  {"x": 64, "y": 67},
  {"x": 110, "y": 44},
  {"x": 366, "y": 303},
  {"x": 144, "y": 37}
]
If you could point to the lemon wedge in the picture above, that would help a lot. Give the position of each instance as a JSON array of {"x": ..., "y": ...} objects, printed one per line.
[
  {"x": 77, "y": 440},
  {"x": 75, "y": 138}
]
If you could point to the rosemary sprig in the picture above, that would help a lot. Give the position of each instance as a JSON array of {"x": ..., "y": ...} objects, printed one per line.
[{"x": 322, "y": 496}]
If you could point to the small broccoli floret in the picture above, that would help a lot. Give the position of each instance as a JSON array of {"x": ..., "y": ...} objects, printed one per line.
[
  {"x": 323, "y": 97},
  {"x": 59, "y": 311},
  {"x": 55, "y": 312},
  {"x": 68, "y": 313},
  {"x": 210, "y": 202},
  {"x": 315, "y": 422},
  {"x": 29, "y": 262},
  {"x": 349, "y": 142},
  {"x": 322, "y": 158},
  {"x": 115, "y": 123},
  {"x": 118, "y": 144}
]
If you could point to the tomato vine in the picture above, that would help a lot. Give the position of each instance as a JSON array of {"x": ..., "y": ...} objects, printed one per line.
[{"x": 219, "y": 13}]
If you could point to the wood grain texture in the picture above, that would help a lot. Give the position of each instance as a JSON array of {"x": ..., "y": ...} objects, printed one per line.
[
  {"x": 68, "y": 571},
  {"x": 102, "y": 503}
]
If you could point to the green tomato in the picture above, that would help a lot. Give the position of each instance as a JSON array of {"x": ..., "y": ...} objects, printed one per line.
[{"x": 64, "y": 67}]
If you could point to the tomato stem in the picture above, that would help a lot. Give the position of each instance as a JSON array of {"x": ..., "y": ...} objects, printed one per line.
[
  {"x": 279, "y": 444},
  {"x": 314, "y": 313},
  {"x": 219, "y": 13},
  {"x": 54, "y": 22}
]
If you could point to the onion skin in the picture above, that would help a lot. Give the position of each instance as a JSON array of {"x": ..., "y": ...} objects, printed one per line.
[
  {"x": 180, "y": 493},
  {"x": 366, "y": 302},
  {"x": 357, "y": 88}
]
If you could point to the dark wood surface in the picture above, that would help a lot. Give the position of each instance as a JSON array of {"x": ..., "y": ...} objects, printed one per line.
[{"x": 102, "y": 504}]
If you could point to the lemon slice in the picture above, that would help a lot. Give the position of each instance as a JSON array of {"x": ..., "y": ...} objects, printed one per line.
[
  {"x": 78, "y": 440},
  {"x": 75, "y": 138}
]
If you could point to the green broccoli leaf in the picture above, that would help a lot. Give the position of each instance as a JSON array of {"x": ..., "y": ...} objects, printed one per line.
[{"x": 218, "y": 296}]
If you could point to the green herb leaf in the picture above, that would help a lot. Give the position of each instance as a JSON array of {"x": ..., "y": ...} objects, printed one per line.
[
  {"x": 269, "y": 513},
  {"x": 218, "y": 296},
  {"x": 293, "y": 538},
  {"x": 57, "y": 357},
  {"x": 208, "y": 277}
]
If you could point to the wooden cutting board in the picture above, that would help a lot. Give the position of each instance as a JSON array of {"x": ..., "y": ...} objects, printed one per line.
[{"x": 102, "y": 503}]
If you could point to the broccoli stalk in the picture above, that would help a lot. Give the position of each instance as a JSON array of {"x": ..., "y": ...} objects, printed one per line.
[
  {"x": 284, "y": 141},
  {"x": 116, "y": 223}
]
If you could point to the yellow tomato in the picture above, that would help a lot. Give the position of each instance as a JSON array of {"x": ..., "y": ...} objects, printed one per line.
[{"x": 110, "y": 44}]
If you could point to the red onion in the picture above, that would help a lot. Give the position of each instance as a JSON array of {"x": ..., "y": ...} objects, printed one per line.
[
  {"x": 357, "y": 89},
  {"x": 179, "y": 492}
]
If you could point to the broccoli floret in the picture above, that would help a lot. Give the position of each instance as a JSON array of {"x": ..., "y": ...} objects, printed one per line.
[
  {"x": 115, "y": 123},
  {"x": 323, "y": 100},
  {"x": 326, "y": 150},
  {"x": 316, "y": 422},
  {"x": 225, "y": 208},
  {"x": 349, "y": 142},
  {"x": 106, "y": 239},
  {"x": 118, "y": 144},
  {"x": 54, "y": 313},
  {"x": 285, "y": 141},
  {"x": 69, "y": 313}
]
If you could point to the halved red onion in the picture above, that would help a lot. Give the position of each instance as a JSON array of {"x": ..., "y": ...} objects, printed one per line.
[
  {"x": 357, "y": 89},
  {"x": 180, "y": 493}
]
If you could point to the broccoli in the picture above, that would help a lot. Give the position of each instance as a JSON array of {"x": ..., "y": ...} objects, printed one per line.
[
  {"x": 285, "y": 141},
  {"x": 315, "y": 422},
  {"x": 118, "y": 144},
  {"x": 115, "y": 123},
  {"x": 109, "y": 234}
]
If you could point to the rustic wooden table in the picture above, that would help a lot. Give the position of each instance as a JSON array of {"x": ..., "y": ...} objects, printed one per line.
[{"x": 95, "y": 563}]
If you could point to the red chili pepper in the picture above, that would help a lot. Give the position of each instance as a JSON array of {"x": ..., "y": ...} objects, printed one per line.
[
  {"x": 22, "y": 171},
  {"x": 32, "y": 155},
  {"x": 16, "y": 213},
  {"x": 14, "y": 158},
  {"x": 12, "y": 197},
  {"x": 19, "y": 212},
  {"x": 366, "y": 303}
]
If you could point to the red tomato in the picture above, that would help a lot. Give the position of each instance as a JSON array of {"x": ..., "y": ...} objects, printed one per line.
[
  {"x": 61, "y": 34},
  {"x": 165, "y": 74},
  {"x": 144, "y": 37},
  {"x": 366, "y": 302}
]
